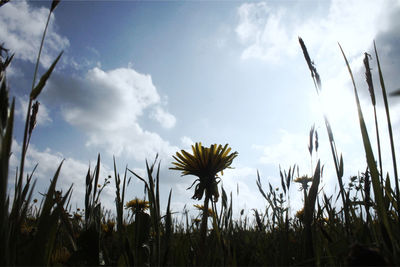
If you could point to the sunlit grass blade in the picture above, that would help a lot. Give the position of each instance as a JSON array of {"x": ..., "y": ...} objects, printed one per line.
[
  {"x": 339, "y": 174},
  {"x": 368, "y": 78},
  {"x": 389, "y": 123},
  {"x": 370, "y": 159}
]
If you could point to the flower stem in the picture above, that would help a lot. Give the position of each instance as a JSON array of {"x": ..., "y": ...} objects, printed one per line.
[{"x": 203, "y": 230}]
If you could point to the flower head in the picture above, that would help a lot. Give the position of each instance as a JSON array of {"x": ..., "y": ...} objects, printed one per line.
[
  {"x": 303, "y": 180},
  {"x": 201, "y": 207},
  {"x": 108, "y": 227},
  {"x": 300, "y": 214},
  {"x": 137, "y": 205},
  {"x": 205, "y": 163}
]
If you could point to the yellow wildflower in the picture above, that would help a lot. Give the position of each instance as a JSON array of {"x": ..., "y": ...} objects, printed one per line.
[
  {"x": 205, "y": 163},
  {"x": 60, "y": 255},
  {"x": 201, "y": 207},
  {"x": 303, "y": 180},
  {"x": 137, "y": 205},
  {"x": 300, "y": 214}
]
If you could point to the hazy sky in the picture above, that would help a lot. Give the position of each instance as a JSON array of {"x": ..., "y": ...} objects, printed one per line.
[{"x": 139, "y": 78}]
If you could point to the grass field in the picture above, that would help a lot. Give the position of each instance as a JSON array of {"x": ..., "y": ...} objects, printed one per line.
[{"x": 363, "y": 229}]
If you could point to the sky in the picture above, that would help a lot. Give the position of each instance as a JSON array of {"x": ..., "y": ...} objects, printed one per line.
[{"x": 140, "y": 78}]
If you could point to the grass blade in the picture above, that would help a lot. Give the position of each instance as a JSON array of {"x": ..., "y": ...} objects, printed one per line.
[
  {"x": 370, "y": 159},
  {"x": 382, "y": 82}
]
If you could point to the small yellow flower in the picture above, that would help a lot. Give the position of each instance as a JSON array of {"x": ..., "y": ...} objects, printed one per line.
[
  {"x": 300, "y": 214},
  {"x": 201, "y": 207},
  {"x": 77, "y": 216},
  {"x": 26, "y": 229},
  {"x": 303, "y": 180},
  {"x": 137, "y": 205},
  {"x": 60, "y": 255},
  {"x": 104, "y": 227},
  {"x": 196, "y": 221},
  {"x": 28, "y": 225},
  {"x": 323, "y": 220},
  {"x": 110, "y": 225}
]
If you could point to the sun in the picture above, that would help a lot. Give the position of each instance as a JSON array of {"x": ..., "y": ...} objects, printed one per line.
[{"x": 336, "y": 102}]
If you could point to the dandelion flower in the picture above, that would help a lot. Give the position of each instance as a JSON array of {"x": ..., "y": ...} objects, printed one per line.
[
  {"x": 303, "y": 180},
  {"x": 205, "y": 163},
  {"x": 201, "y": 207},
  {"x": 137, "y": 205}
]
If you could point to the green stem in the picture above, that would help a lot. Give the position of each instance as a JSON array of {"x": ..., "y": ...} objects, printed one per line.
[
  {"x": 203, "y": 230},
  {"x": 396, "y": 178},
  {"x": 379, "y": 146},
  {"x": 28, "y": 113},
  {"x": 338, "y": 174}
]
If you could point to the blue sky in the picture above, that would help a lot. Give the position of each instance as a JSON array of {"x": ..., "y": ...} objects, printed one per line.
[{"x": 139, "y": 78}]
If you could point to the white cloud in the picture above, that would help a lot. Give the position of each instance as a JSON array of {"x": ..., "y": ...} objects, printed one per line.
[
  {"x": 107, "y": 106},
  {"x": 21, "y": 28},
  {"x": 109, "y": 100},
  {"x": 43, "y": 117},
  {"x": 186, "y": 142},
  {"x": 270, "y": 32},
  {"x": 291, "y": 149},
  {"x": 166, "y": 119},
  {"x": 261, "y": 28}
]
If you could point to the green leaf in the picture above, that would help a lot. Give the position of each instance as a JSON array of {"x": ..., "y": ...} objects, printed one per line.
[
  {"x": 382, "y": 214},
  {"x": 4, "y": 104},
  {"x": 168, "y": 230},
  {"x": 312, "y": 194},
  {"x": 54, "y": 5},
  {"x": 224, "y": 198},
  {"x": 42, "y": 82},
  {"x": 341, "y": 166},
  {"x": 382, "y": 82}
]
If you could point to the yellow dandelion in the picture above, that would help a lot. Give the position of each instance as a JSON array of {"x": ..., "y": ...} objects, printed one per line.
[
  {"x": 137, "y": 205},
  {"x": 300, "y": 214},
  {"x": 201, "y": 207},
  {"x": 196, "y": 221},
  {"x": 26, "y": 228},
  {"x": 60, "y": 255},
  {"x": 104, "y": 227},
  {"x": 77, "y": 216},
  {"x": 303, "y": 180},
  {"x": 205, "y": 163}
]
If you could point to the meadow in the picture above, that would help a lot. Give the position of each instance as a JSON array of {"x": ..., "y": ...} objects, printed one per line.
[{"x": 360, "y": 229}]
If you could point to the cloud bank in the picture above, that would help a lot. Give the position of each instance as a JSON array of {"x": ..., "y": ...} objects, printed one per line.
[
  {"x": 21, "y": 30},
  {"x": 107, "y": 106},
  {"x": 269, "y": 32}
]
